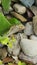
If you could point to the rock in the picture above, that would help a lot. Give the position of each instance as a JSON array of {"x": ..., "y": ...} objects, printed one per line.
[
  {"x": 23, "y": 35},
  {"x": 29, "y": 13},
  {"x": 28, "y": 59},
  {"x": 36, "y": 2},
  {"x": 10, "y": 9},
  {"x": 27, "y": 3},
  {"x": 15, "y": 58},
  {"x": 1, "y": 45},
  {"x": 3, "y": 53},
  {"x": 15, "y": 29},
  {"x": 33, "y": 37},
  {"x": 29, "y": 47},
  {"x": 35, "y": 24},
  {"x": 34, "y": 9},
  {"x": 18, "y": 16},
  {"x": 28, "y": 29},
  {"x": 15, "y": 46},
  {"x": 19, "y": 8}
]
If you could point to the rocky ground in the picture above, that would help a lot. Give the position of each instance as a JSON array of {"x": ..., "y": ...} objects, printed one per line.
[{"x": 18, "y": 46}]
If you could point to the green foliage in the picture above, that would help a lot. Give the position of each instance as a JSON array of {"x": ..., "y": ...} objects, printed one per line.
[
  {"x": 21, "y": 63},
  {"x": 6, "y": 4},
  {"x": 14, "y": 21},
  {"x": 4, "y": 24}
]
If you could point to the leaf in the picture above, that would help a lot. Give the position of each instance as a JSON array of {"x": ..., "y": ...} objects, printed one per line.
[
  {"x": 1, "y": 63},
  {"x": 14, "y": 21},
  {"x": 10, "y": 64},
  {"x": 4, "y": 41},
  {"x": 21, "y": 63},
  {"x": 4, "y": 24},
  {"x": 6, "y": 4}
]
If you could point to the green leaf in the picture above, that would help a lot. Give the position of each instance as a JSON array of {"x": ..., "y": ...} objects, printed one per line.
[
  {"x": 6, "y": 4},
  {"x": 14, "y": 21},
  {"x": 4, "y": 24},
  {"x": 19, "y": 63},
  {"x": 23, "y": 63}
]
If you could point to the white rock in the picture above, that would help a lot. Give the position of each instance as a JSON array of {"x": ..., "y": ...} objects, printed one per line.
[
  {"x": 15, "y": 47},
  {"x": 19, "y": 8},
  {"x": 33, "y": 37},
  {"x": 29, "y": 47},
  {"x": 28, "y": 29},
  {"x": 28, "y": 58}
]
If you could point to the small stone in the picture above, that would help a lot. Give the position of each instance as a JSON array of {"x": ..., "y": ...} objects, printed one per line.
[
  {"x": 10, "y": 9},
  {"x": 35, "y": 24},
  {"x": 36, "y": 2},
  {"x": 28, "y": 59},
  {"x": 33, "y": 37},
  {"x": 3, "y": 53},
  {"x": 15, "y": 49},
  {"x": 1, "y": 45},
  {"x": 29, "y": 47},
  {"x": 19, "y": 8},
  {"x": 34, "y": 9},
  {"x": 30, "y": 15},
  {"x": 23, "y": 35},
  {"x": 27, "y": 3},
  {"x": 15, "y": 58},
  {"x": 15, "y": 29},
  {"x": 28, "y": 29},
  {"x": 18, "y": 16}
]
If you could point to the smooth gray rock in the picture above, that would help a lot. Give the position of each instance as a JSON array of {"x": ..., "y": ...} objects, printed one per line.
[
  {"x": 29, "y": 47},
  {"x": 28, "y": 30},
  {"x": 27, "y": 3},
  {"x": 26, "y": 58},
  {"x": 33, "y": 37}
]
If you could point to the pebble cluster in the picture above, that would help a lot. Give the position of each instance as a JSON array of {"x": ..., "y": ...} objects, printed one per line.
[{"x": 22, "y": 37}]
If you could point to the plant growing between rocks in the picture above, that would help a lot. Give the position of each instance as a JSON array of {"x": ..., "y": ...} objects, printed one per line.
[{"x": 18, "y": 32}]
